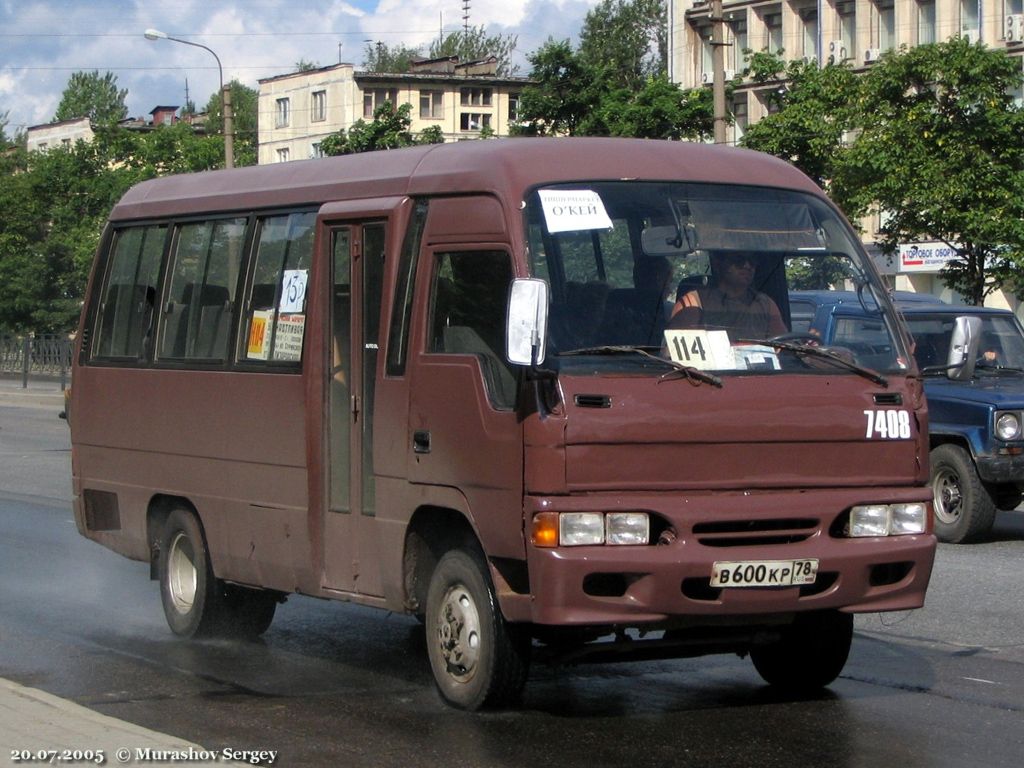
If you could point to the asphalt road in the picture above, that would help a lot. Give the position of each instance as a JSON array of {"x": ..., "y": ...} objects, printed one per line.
[{"x": 339, "y": 685}]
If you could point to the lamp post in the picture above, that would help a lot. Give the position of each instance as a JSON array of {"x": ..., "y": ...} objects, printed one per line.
[{"x": 225, "y": 94}]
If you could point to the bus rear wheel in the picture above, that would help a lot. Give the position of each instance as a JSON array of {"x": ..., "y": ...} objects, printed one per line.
[
  {"x": 809, "y": 655},
  {"x": 191, "y": 600},
  {"x": 478, "y": 660}
]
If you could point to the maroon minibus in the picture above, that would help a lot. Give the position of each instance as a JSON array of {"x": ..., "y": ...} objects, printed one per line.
[{"x": 543, "y": 394}]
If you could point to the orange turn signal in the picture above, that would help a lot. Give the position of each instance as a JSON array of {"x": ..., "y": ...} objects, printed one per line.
[{"x": 545, "y": 529}]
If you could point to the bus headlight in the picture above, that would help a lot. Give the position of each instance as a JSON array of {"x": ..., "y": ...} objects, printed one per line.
[
  {"x": 577, "y": 529},
  {"x": 581, "y": 529},
  {"x": 888, "y": 519},
  {"x": 627, "y": 528},
  {"x": 1008, "y": 426}
]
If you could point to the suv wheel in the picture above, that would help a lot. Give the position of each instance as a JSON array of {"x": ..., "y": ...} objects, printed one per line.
[{"x": 964, "y": 509}]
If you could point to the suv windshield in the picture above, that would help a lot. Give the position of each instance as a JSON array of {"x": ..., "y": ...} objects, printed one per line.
[
  {"x": 700, "y": 274},
  {"x": 1001, "y": 347}
]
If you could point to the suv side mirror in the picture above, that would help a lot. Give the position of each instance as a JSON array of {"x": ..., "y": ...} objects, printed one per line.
[
  {"x": 526, "y": 330},
  {"x": 963, "y": 348}
]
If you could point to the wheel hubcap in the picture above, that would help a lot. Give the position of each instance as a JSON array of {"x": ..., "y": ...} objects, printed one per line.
[
  {"x": 181, "y": 574},
  {"x": 458, "y": 633},
  {"x": 948, "y": 497}
]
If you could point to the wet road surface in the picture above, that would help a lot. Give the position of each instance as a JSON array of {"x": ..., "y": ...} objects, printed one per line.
[{"x": 336, "y": 684}]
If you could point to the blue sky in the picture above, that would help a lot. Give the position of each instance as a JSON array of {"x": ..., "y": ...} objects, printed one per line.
[{"x": 42, "y": 42}]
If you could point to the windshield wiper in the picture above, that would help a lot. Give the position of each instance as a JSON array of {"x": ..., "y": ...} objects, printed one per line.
[
  {"x": 693, "y": 375},
  {"x": 822, "y": 353}
]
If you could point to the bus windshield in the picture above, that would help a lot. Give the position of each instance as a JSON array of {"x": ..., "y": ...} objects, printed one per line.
[{"x": 700, "y": 274}]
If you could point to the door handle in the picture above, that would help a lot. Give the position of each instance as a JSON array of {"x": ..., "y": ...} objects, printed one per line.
[{"x": 421, "y": 441}]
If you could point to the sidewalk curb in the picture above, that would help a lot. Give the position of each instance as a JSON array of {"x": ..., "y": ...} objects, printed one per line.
[{"x": 35, "y": 721}]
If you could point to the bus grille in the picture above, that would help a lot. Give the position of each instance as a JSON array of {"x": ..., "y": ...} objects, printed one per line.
[{"x": 745, "y": 533}]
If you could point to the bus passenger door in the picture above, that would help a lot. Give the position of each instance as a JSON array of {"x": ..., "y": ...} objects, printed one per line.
[{"x": 357, "y": 262}]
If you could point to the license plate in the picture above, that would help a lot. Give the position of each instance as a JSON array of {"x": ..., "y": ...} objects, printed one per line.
[{"x": 764, "y": 573}]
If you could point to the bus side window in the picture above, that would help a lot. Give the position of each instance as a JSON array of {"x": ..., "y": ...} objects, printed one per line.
[
  {"x": 129, "y": 295},
  {"x": 469, "y": 305},
  {"x": 275, "y": 321},
  {"x": 200, "y": 304}
]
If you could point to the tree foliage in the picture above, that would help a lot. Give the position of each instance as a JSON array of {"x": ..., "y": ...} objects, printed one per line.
[
  {"x": 627, "y": 40},
  {"x": 813, "y": 112},
  {"x": 95, "y": 96},
  {"x": 244, "y": 112},
  {"x": 389, "y": 129},
  {"x": 941, "y": 151},
  {"x": 929, "y": 136},
  {"x": 572, "y": 96},
  {"x": 381, "y": 57},
  {"x": 475, "y": 44}
]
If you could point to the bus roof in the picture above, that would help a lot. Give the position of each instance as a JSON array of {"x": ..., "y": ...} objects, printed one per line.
[{"x": 503, "y": 166}]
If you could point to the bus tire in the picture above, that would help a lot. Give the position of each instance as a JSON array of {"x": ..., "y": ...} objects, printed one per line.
[
  {"x": 189, "y": 591},
  {"x": 477, "y": 659},
  {"x": 964, "y": 509},
  {"x": 809, "y": 655}
]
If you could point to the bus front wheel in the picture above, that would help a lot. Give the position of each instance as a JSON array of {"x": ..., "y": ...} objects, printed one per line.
[
  {"x": 478, "y": 660},
  {"x": 189, "y": 592},
  {"x": 810, "y": 653}
]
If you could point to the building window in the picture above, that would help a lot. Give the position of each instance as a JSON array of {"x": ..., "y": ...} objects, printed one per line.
[
  {"x": 283, "y": 155},
  {"x": 809, "y": 37},
  {"x": 431, "y": 105},
  {"x": 739, "y": 115},
  {"x": 316, "y": 150},
  {"x": 969, "y": 16},
  {"x": 374, "y": 98},
  {"x": 318, "y": 106},
  {"x": 474, "y": 121},
  {"x": 847, "y": 32},
  {"x": 513, "y": 107},
  {"x": 707, "y": 67},
  {"x": 283, "y": 113},
  {"x": 773, "y": 30},
  {"x": 925, "y": 22},
  {"x": 885, "y": 32},
  {"x": 476, "y": 97},
  {"x": 738, "y": 28}
]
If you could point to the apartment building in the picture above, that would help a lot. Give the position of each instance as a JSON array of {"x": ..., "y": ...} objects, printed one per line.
[
  {"x": 39, "y": 138},
  {"x": 298, "y": 110}
]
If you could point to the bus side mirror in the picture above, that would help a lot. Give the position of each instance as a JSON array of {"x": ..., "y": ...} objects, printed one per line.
[
  {"x": 963, "y": 348},
  {"x": 527, "y": 321}
]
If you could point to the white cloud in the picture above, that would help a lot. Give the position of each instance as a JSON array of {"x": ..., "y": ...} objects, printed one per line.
[{"x": 42, "y": 42}]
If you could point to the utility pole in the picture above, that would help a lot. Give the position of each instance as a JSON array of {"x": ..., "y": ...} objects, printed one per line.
[{"x": 718, "y": 67}]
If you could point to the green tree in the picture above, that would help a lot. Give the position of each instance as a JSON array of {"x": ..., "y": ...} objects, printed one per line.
[
  {"x": 813, "y": 112},
  {"x": 54, "y": 214},
  {"x": 475, "y": 44},
  {"x": 941, "y": 151},
  {"x": 244, "y": 110},
  {"x": 658, "y": 110},
  {"x": 564, "y": 92},
  {"x": 381, "y": 57},
  {"x": 305, "y": 66},
  {"x": 89, "y": 94},
  {"x": 627, "y": 40},
  {"x": 389, "y": 129}
]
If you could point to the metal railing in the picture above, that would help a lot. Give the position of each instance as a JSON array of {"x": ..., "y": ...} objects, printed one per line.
[{"x": 45, "y": 355}]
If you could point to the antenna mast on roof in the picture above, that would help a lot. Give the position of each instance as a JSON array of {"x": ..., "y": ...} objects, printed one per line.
[{"x": 465, "y": 18}]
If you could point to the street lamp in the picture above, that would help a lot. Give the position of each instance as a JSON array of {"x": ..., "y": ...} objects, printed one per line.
[{"x": 225, "y": 94}]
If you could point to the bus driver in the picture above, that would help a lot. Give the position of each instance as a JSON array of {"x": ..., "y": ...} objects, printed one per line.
[{"x": 730, "y": 302}]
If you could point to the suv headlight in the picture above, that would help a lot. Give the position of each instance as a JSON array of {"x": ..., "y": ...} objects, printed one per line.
[{"x": 1008, "y": 425}]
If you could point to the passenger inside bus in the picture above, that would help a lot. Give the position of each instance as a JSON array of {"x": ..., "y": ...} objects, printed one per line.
[{"x": 730, "y": 302}]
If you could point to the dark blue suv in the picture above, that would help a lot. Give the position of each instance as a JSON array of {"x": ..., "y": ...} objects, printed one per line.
[{"x": 976, "y": 432}]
